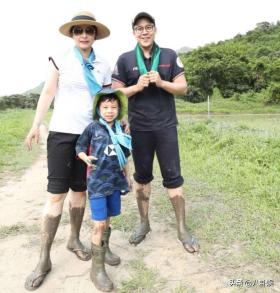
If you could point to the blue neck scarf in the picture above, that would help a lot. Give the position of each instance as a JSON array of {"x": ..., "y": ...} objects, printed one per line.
[
  {"x": 93, "y": 86},
  {"x": 119, "y": 138}
]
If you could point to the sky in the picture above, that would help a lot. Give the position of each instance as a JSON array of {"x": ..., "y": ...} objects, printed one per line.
[{"x": 29, "y": 29}]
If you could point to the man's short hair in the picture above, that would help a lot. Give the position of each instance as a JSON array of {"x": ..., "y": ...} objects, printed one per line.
[{"x": 141, "y": 15}]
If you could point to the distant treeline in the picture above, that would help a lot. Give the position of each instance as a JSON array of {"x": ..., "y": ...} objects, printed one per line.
[
  {"x": 245, "y": 68},
  {"x": 19, "y": 101},
  {"x": 247, "y": 64}
]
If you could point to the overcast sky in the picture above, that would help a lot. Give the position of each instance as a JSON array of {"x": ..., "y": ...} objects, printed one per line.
[{"x": 29, "y": 29}]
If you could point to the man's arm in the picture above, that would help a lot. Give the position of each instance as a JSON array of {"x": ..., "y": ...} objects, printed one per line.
[
  {"x": 129, "y": 91},
  {"x": 127, "y": 175},
  {"x": 176, "y": 87}
]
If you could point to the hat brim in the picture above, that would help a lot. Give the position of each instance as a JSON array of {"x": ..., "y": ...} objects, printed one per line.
[
  {"x": 122, "y": 98},
  {"x": 102, "y": 30}
]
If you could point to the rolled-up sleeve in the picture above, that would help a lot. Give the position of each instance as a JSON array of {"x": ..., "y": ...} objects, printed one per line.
[{"x": 83, "y": 142}]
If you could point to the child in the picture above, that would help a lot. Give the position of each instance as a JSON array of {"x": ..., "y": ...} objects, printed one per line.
[{"x": 108, "y": 176}]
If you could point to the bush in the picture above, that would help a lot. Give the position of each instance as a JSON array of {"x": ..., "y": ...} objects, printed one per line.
[
  {"x": 19, "y": 101},
  {"x": 193, "y": 95},
  {"x": 273, "y": 94}
]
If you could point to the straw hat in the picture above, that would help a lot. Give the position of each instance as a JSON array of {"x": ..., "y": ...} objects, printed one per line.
[
  {"x": 110, "y": 92},
  {"x": 85, "y": 18}
]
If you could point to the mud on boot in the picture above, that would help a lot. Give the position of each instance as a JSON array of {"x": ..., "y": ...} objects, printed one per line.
[
  {"x": 44, "y": 266},
  {"x": 37, "y": 277},
  {"x": 110, "y": 258},
  {"x": 139, "y": 234},
  {"x": 74, "y": 244},
  {"x": 98, "y": 273},
  {"x": 189, "y": 242}
]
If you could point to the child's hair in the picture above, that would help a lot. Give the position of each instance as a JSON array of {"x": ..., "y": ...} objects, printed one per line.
[{"x": 110, "y": 98}]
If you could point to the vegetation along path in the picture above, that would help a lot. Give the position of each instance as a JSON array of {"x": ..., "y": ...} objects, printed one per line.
[{"x": 159, "y": 264}]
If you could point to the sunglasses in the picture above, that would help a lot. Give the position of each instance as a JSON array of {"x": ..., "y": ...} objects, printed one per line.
[{"x": 89, "y": 30}]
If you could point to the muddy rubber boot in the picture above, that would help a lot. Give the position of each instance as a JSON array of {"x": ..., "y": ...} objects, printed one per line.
[
  {"x": 74, "y": 244},
  {"x": 49, "y": 228},
  {"x": 189, "y": 242},
  {"x": 142, "y": 193},
  {"x": 110, "y": 258},
  {"x": 98, "y": 274},
  {"x": 139, "y": 234}
]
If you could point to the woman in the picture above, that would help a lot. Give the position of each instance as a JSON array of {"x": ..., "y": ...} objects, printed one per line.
[{"x": 74, "y": 79}]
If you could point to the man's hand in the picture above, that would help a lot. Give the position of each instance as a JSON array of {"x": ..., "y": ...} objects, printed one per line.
[
  {"x": 129, "y": 182},
  {"x": 143, "y": 82},
  {"x": 155, "y": 78},
  {"x": 125, "y": 125}
]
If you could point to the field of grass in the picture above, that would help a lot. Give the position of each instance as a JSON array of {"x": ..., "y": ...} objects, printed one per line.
[
  {"x": 231, "y": 166},
  {"x": 14, "y": 126},
  {"x": 219, "y": 105},
  {"x": 234, "y": 163},
  {"x": 231, "y": 169}
]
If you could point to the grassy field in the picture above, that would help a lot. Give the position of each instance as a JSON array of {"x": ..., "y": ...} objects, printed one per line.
[
  {"x": 238, "y": 161},
  {"x": 14, "y": 125},
  {"x": 219, "y": 105},
  {"x": 231, "y": 167}
]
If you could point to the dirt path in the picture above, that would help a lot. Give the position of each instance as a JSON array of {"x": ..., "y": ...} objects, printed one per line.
[{"x": 161, "y": 255}]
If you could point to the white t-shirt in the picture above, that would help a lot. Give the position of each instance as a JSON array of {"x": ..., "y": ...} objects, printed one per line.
[{"x": 73, "y": 102}]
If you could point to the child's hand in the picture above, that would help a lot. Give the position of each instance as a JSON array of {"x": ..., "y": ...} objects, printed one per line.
[{"x": 89, "y": 161}]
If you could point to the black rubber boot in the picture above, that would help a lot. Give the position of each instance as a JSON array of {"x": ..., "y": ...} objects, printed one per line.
[
  {"x": 98, "y": 274},
  {"x": 49, "y": 228},
  {"x": 189, "y": 242},
  {"x": 110, "y": 258},
  {"x": 142, "y": 192},
  {"x": 74, "y": 244}
]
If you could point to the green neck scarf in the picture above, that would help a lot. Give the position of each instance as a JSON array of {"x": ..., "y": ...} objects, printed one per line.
[{"x": 140, "y": 59}]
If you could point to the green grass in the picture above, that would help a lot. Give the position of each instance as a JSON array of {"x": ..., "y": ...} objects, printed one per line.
[
  {"x": 14, "y": 126},
  {"x": 239, "y": 167},
  {"x": 218, "y": 105},
  {"x": 143, "y": 279},
  {"x": 18, "y": 229},
  {"x": 183, "y": 289},
  {"x": 125, "y": 222},
  {"x": 231, "y": 166}
]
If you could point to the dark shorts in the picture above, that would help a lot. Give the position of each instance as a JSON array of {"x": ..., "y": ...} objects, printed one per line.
[
  {"x": 163, "y": 143},
  {"x": 65, "y": 170},
  {"x": 105, "y": 207}
]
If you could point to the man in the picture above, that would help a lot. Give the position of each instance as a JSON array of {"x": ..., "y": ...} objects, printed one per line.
[{"x": 150, "y": 76}]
